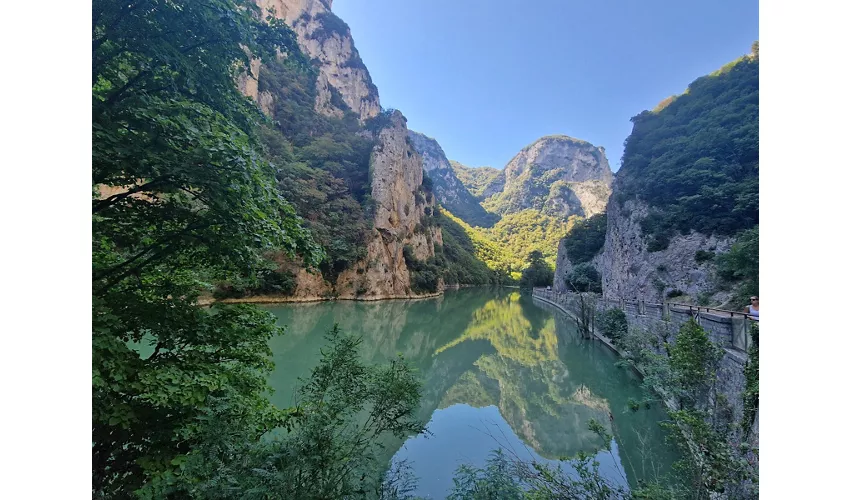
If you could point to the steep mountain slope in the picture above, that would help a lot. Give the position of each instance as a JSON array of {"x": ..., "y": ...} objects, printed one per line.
[
  {"x": 451, "y": 193},
  {"x": 348, "y": 168},
  {"x": 482, "y": 182},
  {"x": 557, "y": 175},
  {"x": 687, "y": 187},
  {"x": 325, "y": 38}
]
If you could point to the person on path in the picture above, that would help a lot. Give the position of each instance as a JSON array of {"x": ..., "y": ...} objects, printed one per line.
[{"x": 753, "y": 308}]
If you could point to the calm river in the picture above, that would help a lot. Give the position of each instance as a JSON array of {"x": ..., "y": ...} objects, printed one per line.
[{"x": 499, "y": 369}]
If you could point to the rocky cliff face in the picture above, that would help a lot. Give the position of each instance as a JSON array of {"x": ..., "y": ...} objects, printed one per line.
[
  {"x": 325, "y": 38},
  {"x": 400, "y": 207},
  {"x": 630, "y": 271},
  {"x": 401, "y": 204},
  {"x": 400, "y": 201},
  {"x": 450, "y": 191},
  {"x": 558, "y": 175}
]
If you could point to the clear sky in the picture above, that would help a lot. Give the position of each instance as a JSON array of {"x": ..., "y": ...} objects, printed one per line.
[{"x": 487, "y": 78}]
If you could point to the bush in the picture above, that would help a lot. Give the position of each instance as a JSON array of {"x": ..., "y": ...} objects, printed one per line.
[
  {"x": 584, "y": 278},
  {"x": 613, "y": 324},
  {"x": 702, "y": 256},
  {"x": 675, "y": 293},
  {"x": 274, "y": 281},
  {"x": 741, "y": 264}
]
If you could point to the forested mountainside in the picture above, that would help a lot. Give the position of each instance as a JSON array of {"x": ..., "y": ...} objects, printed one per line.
[
  {"x": 558, "y": 176},
  {"x": 683, "y": 216},
  {"x": 355, "y": 176},
  {"x": 482, "y": 182},
  {"x": 542, "y": 192}
]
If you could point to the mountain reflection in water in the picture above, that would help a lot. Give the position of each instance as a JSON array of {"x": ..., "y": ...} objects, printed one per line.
[{"x": 498, "y": 369}]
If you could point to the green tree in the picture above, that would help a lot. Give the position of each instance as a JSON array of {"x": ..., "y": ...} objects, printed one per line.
[
  {"x": 181, "y": 197},
  {"x": 741, "y": 265},
  {"x": 331, "y": 448},
  {"x": 586, "y": 238},
  {"x": 584, "y": 278},
  {"x": 538, "y": 272}
]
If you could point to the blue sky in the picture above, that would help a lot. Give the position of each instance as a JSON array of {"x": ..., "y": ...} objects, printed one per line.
[{"x": 486, "y": 78}]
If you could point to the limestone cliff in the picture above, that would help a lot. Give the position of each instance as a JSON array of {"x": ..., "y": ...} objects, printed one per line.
[
  {"x": 559, "y": 175},
  {"x": 326, "y": 39},
  {"x": 450, "y": 191},
  {"x": 630, "y": 271},
  {"x": 401, "y": 204}
]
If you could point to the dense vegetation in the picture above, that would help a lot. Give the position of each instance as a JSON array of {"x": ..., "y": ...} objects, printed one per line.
[
  {"x": 323, "y": 164},
  {"x": 480, "y": 181},
  {"x": 740, "y": 265},
  {"x": 537, "y": 272},
  {"x": 684, "y": 368},
  {"x": 523, "y": 232},
  {"x": 694, "y": 160},
  {"x": 183, "y": 196},
  {"x": 494, "y": 255},
  {"x": 586, "y": 238},
  {"x": 469, "y": 259}
]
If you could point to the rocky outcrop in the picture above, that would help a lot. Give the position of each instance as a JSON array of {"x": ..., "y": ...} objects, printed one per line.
[
  {"x": 630, "y": 271},
  {"x": 558, "y": 175},
  {"x": 450, "y": 191},
  {"x": 326, "y": 39},
  {"x": 401, "y": 206}
]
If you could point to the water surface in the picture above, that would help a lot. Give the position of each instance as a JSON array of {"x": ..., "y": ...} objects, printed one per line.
[{"x": 499, "y": 369}]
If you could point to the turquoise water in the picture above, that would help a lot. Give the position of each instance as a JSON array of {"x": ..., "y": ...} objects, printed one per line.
[{"x": 499, "y": 370}]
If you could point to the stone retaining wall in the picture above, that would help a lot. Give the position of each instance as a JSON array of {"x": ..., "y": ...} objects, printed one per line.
[{"x": 726, "y": 329}]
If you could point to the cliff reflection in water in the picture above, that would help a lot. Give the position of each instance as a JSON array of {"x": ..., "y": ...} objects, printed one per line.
[{"x": 484, "y": 348}]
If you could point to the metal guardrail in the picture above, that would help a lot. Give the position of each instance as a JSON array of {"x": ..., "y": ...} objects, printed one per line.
[
  {"x": 737, "y": 333},
  {"x": 641, "y": 304}
]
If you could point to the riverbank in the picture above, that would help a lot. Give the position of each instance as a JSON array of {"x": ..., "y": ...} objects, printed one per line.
[
  {"x": 284, "y": 299},
  {"x": 288, "y": 299}
]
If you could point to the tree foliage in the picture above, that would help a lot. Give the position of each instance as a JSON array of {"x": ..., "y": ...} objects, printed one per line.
[
  {"x": 584, "y": 278},
  {"x": 613, "y": 324},
  {"x": 537, "y": 272},
  {"x": 182, "y": 197},
  {"x": 586, "y": 238},
  {"x": 695, "y": 160},
  {"x": 741, "y": 265},
  {"x": 329, "y": 446},
  {"x": 683, "y": 370}
]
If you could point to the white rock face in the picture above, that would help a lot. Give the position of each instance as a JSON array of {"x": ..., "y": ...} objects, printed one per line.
[
  {"x": 324, "y": 37},
  {"x": 396, "y": 180},
  {"x": 558, "y": 174},
  {"x": 629, "y": 271}
]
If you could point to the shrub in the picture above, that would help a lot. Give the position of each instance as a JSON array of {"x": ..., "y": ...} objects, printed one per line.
[
  {"x": 613, "y": 324},
  {"x": 675, "y": 293},
  {"x": 702, "y": 256},
  {"x": 584, "y": 278}
]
